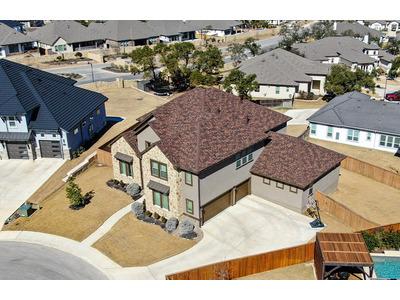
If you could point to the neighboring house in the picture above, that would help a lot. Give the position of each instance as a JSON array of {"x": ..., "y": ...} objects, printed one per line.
[
  {"x": 65, "y": 36},
  {"x": 290, "y": 170},
  {"x": 16, "y": 25},
  {"x": 386, "y": 59},
  {"x": 282, "y": 75},
  {"x": 341, "y": 49},
  {"x": 13, "y": 41},
  {"x": 193, "y": 155},
  {"x": 390, "y": 27},
  {"x": 354, "y": 119},
  {"x": 361, "y": 32},
  {"x": 214, "y": 28},
  {"x": 45, "y": 115}
]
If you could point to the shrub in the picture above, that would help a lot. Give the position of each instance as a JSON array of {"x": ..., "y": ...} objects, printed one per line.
[
  {"x": 371, "y": 240},
  {"x": 156, "y": 216},
  {"x": 163, "y": 220},
  {"x": 74, "y": 193},
  {"x": 391, "y": 240},
  {"x": 148, "y": 213},
  {"x": 78, "y": 55}
]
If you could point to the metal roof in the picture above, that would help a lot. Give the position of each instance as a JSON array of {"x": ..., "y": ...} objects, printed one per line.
[
  {"x": 15, "y": 136},
  {"x": 357, "y": 111}
]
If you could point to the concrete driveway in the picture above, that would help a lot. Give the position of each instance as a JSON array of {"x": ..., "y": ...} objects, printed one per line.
[
  {"x": 20, "y": 179},
  {"x": 25, "y": 261},
  {"x": 299, "y": 116},
  {"x": 252, "y": 226}
]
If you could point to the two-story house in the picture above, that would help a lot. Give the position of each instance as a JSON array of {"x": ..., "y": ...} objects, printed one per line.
[
  {"x": 193, "y": 155},
  {"x": 45, "y": 115}
]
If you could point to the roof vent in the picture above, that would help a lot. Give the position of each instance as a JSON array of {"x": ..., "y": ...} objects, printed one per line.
[
  {"x": 248, "y": 120},
  {"x": 219, "y": 110}
]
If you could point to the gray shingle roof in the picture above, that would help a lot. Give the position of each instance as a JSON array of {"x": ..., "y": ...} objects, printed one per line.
[
  {"x": 60, "y": 104},
  {"x": 10, "y": 36},
  {"x": 358, "y": 29},
  {"x": 281, "y": 67},
  {"x": 384, "y": 55},
  {"x": 358, "y": 111},
  {"x": 344, "y": 46},
  {"x": 69, "y": 31}
]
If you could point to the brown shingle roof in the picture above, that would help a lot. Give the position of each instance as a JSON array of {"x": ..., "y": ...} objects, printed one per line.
[
  {"x": 294, "y": 161},
  {"x": 205, "y": 126},
  {"x": 131, "y": 139}
]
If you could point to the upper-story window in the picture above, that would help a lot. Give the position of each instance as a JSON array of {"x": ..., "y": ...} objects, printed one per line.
[
  {"x": 159, "y": 170},
  {"x": 188, "y": 178},
  {"x": 12, "y": 122},
  {"x": 147, "y": 144},
  {"x": 244, "y": 158}
]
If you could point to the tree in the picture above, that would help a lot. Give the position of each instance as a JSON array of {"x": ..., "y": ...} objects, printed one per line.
[
  {"x": 74, "y": 193},
  {"x": 322, "y": 30},
  {"x": 292, "y": 35},
  {"x": 342, "y": 80},
  {"x": 236, "y": 51},
  {"x": 144, "y": 59},
  {"x": 206, "y": 66},
  {"x": 393, "y": 47},
  {"x": 394, "y": 70},
  {"x": 240, "y": 82},
  {"x": 251, "y": 45}
]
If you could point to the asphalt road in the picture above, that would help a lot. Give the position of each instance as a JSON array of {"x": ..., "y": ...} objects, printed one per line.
[{"x": 25, "y": 261}]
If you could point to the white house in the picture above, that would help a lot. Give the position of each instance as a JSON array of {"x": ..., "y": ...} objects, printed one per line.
[
  {"x": 354, "y": 119},
  {"x": 13, "y": 41}
]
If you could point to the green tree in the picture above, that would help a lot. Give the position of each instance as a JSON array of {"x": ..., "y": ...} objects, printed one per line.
[
  {"x": 251, "y": 45},
  {"x": 240, "y": 82},
  {"x": 393, "y": 47},
  {"x": 291, "y": 35},
  {"x": 206, "y": 66},
  {"x": 322, "y": 30},
  {"x": 342, "y": 80},
  {"x": 144, "y": 60},
  {"x": 74, "y": 193},
  {"x": 236, "y": 51},
  {"x": 394, "y": 70}
]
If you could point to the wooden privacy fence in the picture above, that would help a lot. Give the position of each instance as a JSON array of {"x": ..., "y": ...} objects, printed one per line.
[
  {"x": 371, "y": 171},
  {"x": 104, "y": 157},
  {"x": 343, "y": 213},
  {"x": 390, "y": 227},
  {"x": 249, "y": 265}
]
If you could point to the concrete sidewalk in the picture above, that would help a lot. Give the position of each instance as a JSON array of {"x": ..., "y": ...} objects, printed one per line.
[{"x": 299, "y": 116}]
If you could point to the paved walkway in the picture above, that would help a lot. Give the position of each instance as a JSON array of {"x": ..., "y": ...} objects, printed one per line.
[{"x": 299, "y": 116}]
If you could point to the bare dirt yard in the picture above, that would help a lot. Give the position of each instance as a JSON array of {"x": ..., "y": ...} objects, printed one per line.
[
  {"x": 296, "y": 130},
  {"x": 128, "y": 103},
  {"x": 133, "y": 243},
  {"x": 374, "y": 201},
  {"x": 55, "y": 216},
  {"x": 303, "y": 271},
  {"x": 378, "y": 158}
]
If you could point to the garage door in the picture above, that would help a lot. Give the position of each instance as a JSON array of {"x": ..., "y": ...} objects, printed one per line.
[
  {"x": 242, "y": 190},
  {"x": 50, "y": 149},
  {"x": 17, "y": 150},
  {"x": 216, "y": 206}
]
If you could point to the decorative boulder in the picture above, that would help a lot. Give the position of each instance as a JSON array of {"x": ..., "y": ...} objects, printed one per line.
[
  {"x": 133, "y": 190},
  {"x": 186, "y": 227},
  {"x": 138, "y": 209},
  {"x": 171, "y": 224}
]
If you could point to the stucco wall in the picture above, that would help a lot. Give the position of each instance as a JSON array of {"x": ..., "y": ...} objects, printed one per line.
[
  {"x": 191, "y": 193},
  {"x": 20, "y": 125},
  {"x": 148, "y": 135},
  {"x": 269, "y": 91}
]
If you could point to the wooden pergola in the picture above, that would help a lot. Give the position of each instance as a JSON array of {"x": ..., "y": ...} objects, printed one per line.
[{"x": 340, "y": 253}]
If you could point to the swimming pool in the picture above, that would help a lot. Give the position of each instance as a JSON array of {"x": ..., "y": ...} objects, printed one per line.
[{"x": 387, "y": 267}]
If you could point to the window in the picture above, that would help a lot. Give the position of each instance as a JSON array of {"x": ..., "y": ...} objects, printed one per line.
[
  {"x": 125, "y": 168},
  {"x": 161, "y": 200},
  {"x": 337, "y": 135},
  {"x": 267, "y": 181},
  {"x": 11, "y": 121},
  {"x": 257, "y": 89},
  {"x": 316, "y": 84},
  {"x": 244, "y": 158},
  {"x": 389, "y": 141},
  {"x": 313, "y": 128},
  {"x": 159, "y": 170},
  {"x": 383, "y": 140},
  {"x": 54, "y": 135},
  {"x": 277, "y": 90},
  {"x": 147, "y": 144},
  {"x": 189, "y": 206},
  {"x": 188, "y": 178},
  {"x": 238, "y": 164},
  {"x": 60, "y": 48},
  {"x": 352, "y": 135},
  {"x": 287, "y": 89},
  {"x": 369, "y": 135},
  {"x": 63, "y": 140},
  {"x": 98, "y": 112},
  {"x": 42, "y": 134},
  {"x": 330, "y": 132},
  {"x": 279, "y": 185},
  {"x": 76, "y": 130},
  {"x": 396, "y": 142},
  {"x": 293, "y": 189}
]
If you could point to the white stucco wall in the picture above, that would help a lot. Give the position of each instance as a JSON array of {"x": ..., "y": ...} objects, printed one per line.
[
  {"x": 322, "y": 80},
  {"x": 269, "y": 91},
  {"x": 146, "y": 135},
  {"x": 20, "y": 125},
  {"x": 340, "y": 136}
]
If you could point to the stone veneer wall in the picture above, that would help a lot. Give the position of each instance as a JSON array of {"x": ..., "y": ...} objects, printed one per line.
[
  {"x": 121, "y": 145},
  {"x": 174, "y": 182}
]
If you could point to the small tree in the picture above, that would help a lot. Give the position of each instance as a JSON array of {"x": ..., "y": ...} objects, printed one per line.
[
  {"x": 206, "y": 66},
  {"x": 240, "y": 82},
  {"x": 251, "y": 45},
  {"x": 74, "y": 193},
  {"x": 237, "y": 54},
  {"x": 144, "y": 59}
]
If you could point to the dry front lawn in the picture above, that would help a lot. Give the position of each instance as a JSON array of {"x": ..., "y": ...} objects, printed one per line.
[
  {"x": 133, "y": 243},
  {"x": 55, "y": 217}
]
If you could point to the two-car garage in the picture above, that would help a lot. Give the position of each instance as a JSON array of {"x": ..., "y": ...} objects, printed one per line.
[{"x": 229, "y": 198}]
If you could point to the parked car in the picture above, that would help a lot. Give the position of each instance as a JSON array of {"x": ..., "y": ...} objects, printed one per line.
[{"x": 395, "y": 96}]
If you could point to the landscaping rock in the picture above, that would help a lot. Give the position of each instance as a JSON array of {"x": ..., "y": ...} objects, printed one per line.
[
  {"x": 190, "y": 236},
  {"x": 186, "y": 227},
  {"x": 138, "y": 209},
  {"x": 171, "y": 224},
  {"x": 133, "y": 190}
]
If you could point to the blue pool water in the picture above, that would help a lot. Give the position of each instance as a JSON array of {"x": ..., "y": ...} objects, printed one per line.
[{"x": 387, "y": 267}]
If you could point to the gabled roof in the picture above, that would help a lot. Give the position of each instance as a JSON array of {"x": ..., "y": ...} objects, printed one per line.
[
  {"x": 357, "y": 29},
  {"x": 204, "y": 126},
  {"x": 356, "y": 110},
  {"x": 384, "y": 55},
  {"x": 10, "y": 36},
  {"x": 344, "y": 46},
  {"x": 294, "y": 161},
  {"x": 69, "y": 31},
  {"x": 59, "y": 103},
  {"x": 281, "y": 67},
  {"x": 11, "y": 23}
]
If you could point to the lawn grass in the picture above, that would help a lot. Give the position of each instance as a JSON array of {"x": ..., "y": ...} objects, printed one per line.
[
  {"x": 132, "y": 243},
  {"x": 55, "y": 216}
]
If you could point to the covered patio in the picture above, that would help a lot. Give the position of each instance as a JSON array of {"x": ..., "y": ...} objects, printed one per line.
[{"x": 339, "y": 255}]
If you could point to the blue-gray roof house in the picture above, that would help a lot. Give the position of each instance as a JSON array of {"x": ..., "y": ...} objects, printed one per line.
[{"x": 45, "y": 115}]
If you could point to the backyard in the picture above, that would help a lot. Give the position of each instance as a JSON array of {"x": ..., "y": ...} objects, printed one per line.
[
  {"x": 304, "y": 271},
  {"x": 55, "y": 216},
  {"x": 132, "y": 243}
]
